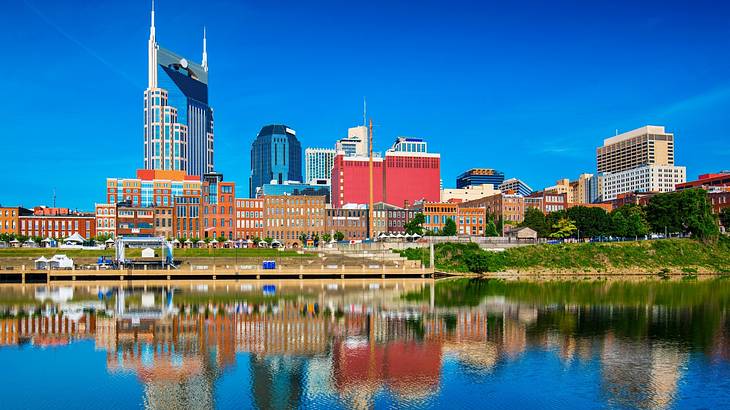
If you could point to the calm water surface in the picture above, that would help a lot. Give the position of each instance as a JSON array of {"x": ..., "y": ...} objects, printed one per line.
[{"x": 362, "y": 344}]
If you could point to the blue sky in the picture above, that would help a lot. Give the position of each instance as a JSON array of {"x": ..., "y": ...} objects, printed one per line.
[{"x": 530, "y": 88}]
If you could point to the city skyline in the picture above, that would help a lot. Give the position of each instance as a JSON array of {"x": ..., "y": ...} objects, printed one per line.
[{"x": 558, "y": 130}]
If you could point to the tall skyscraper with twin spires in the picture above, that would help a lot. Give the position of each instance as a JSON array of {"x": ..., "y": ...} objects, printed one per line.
[{"x": 178, "y": 122}]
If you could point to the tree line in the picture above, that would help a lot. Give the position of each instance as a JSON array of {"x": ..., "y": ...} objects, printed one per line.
[{"x": 686, "y": 212}]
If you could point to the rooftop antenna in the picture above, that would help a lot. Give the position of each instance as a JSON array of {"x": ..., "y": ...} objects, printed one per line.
[
  {"x": 616, "y": 131},
  {"x": 54, "y": 197},
  {"x": 205, "y": 52},
  {"x": 364, "y": 111}
]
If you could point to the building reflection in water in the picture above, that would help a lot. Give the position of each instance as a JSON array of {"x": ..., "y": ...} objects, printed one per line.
[{"x": 352, "y": 343}]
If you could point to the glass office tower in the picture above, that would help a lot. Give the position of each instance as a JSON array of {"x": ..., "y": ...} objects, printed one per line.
[
  {"x": 276, "y": 155},
  {"x": 178, "y": 122}
]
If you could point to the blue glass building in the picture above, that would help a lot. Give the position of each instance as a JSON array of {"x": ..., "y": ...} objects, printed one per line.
[
  {"x": 480, "y": 176},
  {"x": 297, "y": 189},
  {"x": 276, "y": 155}
]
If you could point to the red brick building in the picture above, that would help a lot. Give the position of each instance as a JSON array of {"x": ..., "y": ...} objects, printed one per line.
[
  {"x": 219, "y": 202},
  {"x": 352, "y": 222},
  {"x": 106, "y": 220},
  {"x": 707, "y": 181},
  {"x": 58, "y": 226},
  {"x": 719, "y": 200},
  {"x": 135, "y": 220},
  {"x": 470, "y": 221},
  {"x": 187, "y": 217},
  {"x": 249, "y": 218}
]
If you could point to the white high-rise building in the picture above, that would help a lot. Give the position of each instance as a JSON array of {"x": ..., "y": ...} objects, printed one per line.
[
  {"x": 318, "y": 164},
  {"x": 641, "y": 160},
  {"x": 647, "y": 178}
]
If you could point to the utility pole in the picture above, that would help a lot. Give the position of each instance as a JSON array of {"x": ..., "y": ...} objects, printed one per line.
[{"x": 370, "y": 167}]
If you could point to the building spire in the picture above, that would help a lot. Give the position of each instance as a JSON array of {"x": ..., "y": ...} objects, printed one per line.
[
  {"x": 152, "y": 52},
  {"x": 152, "y": 21},
  {"x": 205, "y": 51}
]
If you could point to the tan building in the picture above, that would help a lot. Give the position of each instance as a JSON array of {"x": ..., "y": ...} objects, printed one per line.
[
  {"x": 468, "y": 193},
  {"x": 286, "y": 217},
  {"x": 580, "y": 190},
  {"x": 106, "y": 220},
  {"x": 576, "y": 191},
  {"x": 649, "y": 145},
  {"x": 163, "y": 221},
  {"x": 352, "y": 222}
]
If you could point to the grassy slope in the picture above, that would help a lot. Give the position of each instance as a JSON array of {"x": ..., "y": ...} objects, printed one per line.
[
  {"x": 179, "y": 253},
  {"x": 649, "y": 256}
]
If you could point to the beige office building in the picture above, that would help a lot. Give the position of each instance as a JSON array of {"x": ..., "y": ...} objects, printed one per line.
[
  {"x": 468, "y": 193},
  {"x": 649, "y": 145}
]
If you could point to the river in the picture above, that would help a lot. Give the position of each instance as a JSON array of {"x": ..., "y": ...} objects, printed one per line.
[{"x": 463, "y": 343}]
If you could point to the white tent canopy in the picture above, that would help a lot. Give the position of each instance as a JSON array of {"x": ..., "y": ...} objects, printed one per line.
[
  {"x": 110, "y": 240},
  {"x": 74, "y": 239}
]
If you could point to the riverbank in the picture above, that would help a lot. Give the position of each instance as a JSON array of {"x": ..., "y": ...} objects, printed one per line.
[
  {"x": 17, "y": 257},
  {"x": 665, "y": 257}
]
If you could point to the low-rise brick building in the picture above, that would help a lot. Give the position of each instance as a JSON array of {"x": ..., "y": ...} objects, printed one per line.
[
  {"x": 249, "y": 218},
  {"x": 287, "y": 217},
  {"x": 58, "y": 226}
]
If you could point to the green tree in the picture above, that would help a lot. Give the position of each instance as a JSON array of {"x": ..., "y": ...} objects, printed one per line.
[
  {"x": 725, "y": 218},
  {"x": 326, "y": 237},
  {"x": 449, "y": 228},
  {"x": 564, "y": 228},
  {"x": 269, "y": 240},
  {"x": 339, "y": 236},
  {"x": 635, "y": 217},
  {"x": 415, "y": 225},
  {"x": 590, "y": 221},
  {"x": 688, "y": 211},
  {"x": 491, "y": 229},
  {"x": 535, "y": 220},
  {"x": 618, "y": 224},
  {"x": 303, "y": 238}
]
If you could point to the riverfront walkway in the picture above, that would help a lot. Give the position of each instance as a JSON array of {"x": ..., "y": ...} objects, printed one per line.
[{"x": 23, "y": 275}]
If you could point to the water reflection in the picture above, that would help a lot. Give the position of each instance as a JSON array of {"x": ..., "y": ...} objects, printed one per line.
[{"x": 359, "y": 345}]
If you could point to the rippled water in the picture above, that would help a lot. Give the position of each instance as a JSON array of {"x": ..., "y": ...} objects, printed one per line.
[{"x": 363, "y": 344}]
